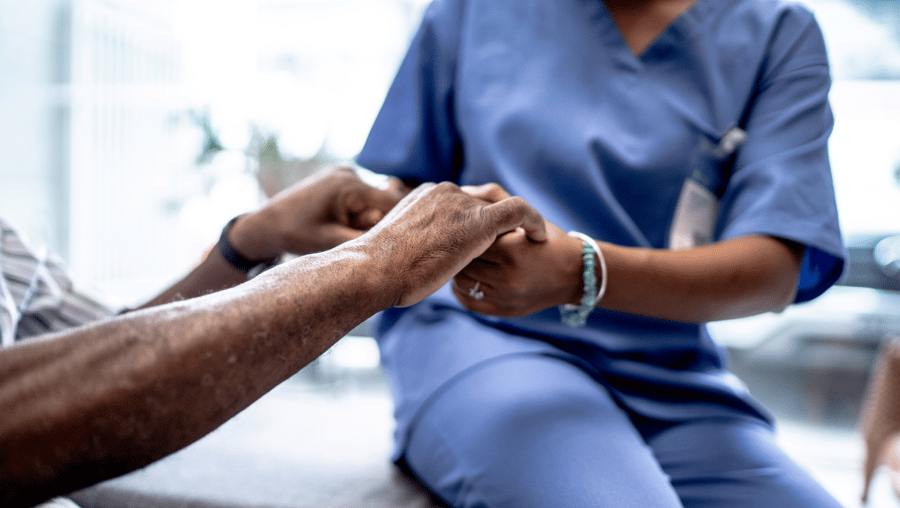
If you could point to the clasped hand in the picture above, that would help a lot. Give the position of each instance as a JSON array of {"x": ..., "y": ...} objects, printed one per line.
[
  {"x": 522, "y": 271},
  {"x": 439, "y": 229},
  {"x": 517, "y": 275}
]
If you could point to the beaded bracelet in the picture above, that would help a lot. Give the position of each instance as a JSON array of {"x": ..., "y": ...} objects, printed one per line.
[
  {"x": 576, "y": 315},
  {"x": 239, "y": 261}
]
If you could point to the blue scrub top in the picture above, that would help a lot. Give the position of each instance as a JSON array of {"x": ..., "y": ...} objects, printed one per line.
[{"x": 546, "y": 99}]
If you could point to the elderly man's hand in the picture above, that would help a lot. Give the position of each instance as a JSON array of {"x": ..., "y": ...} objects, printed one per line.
[
  {"x": 437, "y": 230},
  {"x": 315, "y": 214}
]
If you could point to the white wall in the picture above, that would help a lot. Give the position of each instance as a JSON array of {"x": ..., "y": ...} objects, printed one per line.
[
  {"x": 92, "y": 161},
  {"x": 33, "y": 72}
]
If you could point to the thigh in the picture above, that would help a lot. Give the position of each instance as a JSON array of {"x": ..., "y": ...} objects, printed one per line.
[
  {"x": 533, "y": 431},
  {"x": 734, "y": 463}
]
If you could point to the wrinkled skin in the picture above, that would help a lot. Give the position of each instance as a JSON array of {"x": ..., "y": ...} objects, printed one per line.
[{"x": 155, "y": 380}]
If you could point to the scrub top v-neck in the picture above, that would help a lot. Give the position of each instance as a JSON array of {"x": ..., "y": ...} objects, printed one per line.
[
  {"x": 615, "y": 38},
  {"x": 551, "y": 103}
]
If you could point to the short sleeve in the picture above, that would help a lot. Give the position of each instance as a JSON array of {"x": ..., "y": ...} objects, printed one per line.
[
  {"x": 414, "y": 136},
  {"x": 782, "y": 184}
]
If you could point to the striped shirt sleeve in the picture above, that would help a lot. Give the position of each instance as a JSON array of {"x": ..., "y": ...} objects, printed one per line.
[{"x": 37, "y": 293}]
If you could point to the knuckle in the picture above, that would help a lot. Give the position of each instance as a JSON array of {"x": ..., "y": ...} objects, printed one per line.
[
  {"x": 446, "y": 187},
  {"x": 517, "y": 202},
  {"x": 494, "y": 190}
]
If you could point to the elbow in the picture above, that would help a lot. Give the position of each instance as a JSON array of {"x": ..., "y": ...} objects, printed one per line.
[
  {"x": 772, "y": 294},
  {"x": 782, "y": 287},
  {"x": 782, "y": 273},
  {"x": 784, "y": 296},
  {"x": 785, "y": 282}
]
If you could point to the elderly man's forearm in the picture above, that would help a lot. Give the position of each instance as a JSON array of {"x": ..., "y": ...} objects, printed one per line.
[
  {"x": 102, "y": 400},
  {"x": 118, "y": 395}
]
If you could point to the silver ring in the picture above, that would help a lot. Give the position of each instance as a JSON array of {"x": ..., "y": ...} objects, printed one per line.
[{"x": 475, "y": 293}]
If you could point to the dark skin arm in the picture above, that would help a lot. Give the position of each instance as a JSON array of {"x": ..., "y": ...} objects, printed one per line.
[
  {"x": 730, "y": 279},
  {"x": 155, "y": 380},
  {"x": 313, "y": 215}
]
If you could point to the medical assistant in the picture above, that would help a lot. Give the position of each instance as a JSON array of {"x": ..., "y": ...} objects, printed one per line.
[{"x": 546, "y": 99}]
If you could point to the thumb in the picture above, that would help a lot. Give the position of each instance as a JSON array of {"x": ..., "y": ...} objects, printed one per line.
[
  {"x": 490, "y": 192},
  {"x": 383, "y": 199},
  {"x": 365, "y": 219},
  {"x": 511, "y": 213},
  {"x": 336, "y": 234},
  {"x": 370, "y": 205}
]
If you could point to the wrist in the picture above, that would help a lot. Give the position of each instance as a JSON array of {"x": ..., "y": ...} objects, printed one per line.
[
  {"x": 574, "y": 271},
  {"x": 381, "y": 279},
  {"x": 244, "y": 248},
  {"x": 250, "y": 235},
  {"x": 594, "y": 278}
]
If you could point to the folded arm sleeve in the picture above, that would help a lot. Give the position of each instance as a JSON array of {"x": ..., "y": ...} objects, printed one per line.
[
  {"x": 414, "y": 136},
  {"x": 782, "y": 184}
]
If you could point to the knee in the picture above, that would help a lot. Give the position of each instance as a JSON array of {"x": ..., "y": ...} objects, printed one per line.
[
  {"x": 519, "y": 431},
  {"x": 529, "y": 399}
]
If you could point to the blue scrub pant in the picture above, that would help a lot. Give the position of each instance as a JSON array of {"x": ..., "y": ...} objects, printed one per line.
[{"x": 528, "y": 430}]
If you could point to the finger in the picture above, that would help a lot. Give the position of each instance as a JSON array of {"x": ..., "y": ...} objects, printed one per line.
[
  {"x": 463, "y": 287},
  {"x": 467, "y": 282},
  {"x": 368, "y": 218},
  {"x": 505, "y": 248},
  {"x": 396, "y": 185},
  {"x": 381, "y": 200},
  {"x": 385, "y": 199},
  {"x": 337, "y": 234},
  {"x": 463, "y": 298},
  {"x": 490, "y": 192},
  {"x": 359, "y": 211},
  {"x": 462, "y": 293},
  {"x": 483, "y": 306},
  {"x": 363, "y": 207},
  {"x": 479, "y": 269},
  {"x": 410, "y": 199},
  {"x": 515, "y": 212}
]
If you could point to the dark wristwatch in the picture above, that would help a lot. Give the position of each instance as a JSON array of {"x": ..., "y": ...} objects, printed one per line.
[{"x": 239, "y": 261}]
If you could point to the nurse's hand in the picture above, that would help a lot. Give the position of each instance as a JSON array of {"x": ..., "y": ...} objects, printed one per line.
[
  {"x": 517, "y": 276},
  {"x": 315, "y": 214}
]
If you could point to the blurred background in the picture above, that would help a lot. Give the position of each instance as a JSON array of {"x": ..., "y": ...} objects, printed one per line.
[{"x": 131, "y": 131}]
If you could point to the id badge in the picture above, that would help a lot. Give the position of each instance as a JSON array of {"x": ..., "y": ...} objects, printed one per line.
[
  {"x": 695, "y": 217},
  {"x": 697, "y": 211}
]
